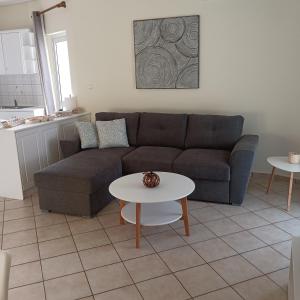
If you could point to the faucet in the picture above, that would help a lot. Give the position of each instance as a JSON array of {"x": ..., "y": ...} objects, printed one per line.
[{"x": 16, "y": 103}]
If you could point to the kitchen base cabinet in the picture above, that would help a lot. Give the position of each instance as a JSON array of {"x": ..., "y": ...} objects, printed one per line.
[{"x": 27, "y": 149}]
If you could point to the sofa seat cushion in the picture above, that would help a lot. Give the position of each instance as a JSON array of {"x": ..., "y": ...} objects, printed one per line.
[
  {"x": 204, "y": 164},
  {"x": 84, "y": 172},
  {"x": 150, "y": 158}
]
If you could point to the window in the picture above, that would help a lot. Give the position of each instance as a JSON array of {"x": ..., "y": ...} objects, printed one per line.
[{"x": 62, "y": 76}]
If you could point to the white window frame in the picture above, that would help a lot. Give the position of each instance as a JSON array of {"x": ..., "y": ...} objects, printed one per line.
[{"x": 53, "y": 40}]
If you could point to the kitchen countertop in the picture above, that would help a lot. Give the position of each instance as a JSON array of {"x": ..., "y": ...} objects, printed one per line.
[{"x": 29, "y": 126}]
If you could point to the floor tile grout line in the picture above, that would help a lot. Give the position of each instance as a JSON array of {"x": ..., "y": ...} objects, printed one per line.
[
  {"x": 21, "y": 207},
  {"x": 157, "y": 253},
  {"x": 27, "y": 284},
  {"x": 249, "y": 230},
  {"x": 281, "y": 253},
  {"x": 123, "y": 262},
  {"x": 175, "y": 228},
  {"x": 80, "y": 260},
  {"x": 40, "y": 258},
  {"x": 22, "y": 245},
  {"x": 237, "y": 255},
  {"x": 258, "y": 268},
  {"x": 268, "y": 275},
  {"x": 240, "y": 254},
  {"x": 155, "y": 277},
  {"x": 114, "y": 289},
  {"x": 105, "y": 265},
  {"x": 239, "y": 294},
  {"x": 174, "y": 273},
  {"x": 219, "y": 289},
  {"x": 245, "y": 230},
  {"x": 265, "y": 246},
  {"x": 263, "y": 274},
  {"x": 291, "y": 217},
  {"x": 269, "y": 223},
  {"x": 209, "y": 263},
  {"x": 19, "y": 231},
  {"x": 18, "y": 218},
  {"x": 262, "y": 199},
  {"x": 215, "y": 236}
]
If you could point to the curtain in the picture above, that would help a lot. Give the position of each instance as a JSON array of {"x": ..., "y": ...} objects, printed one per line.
[{"x": 38, "y": 23}]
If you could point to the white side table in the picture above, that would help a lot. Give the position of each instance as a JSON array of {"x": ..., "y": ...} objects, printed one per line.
[{"x": 281, "y": 162}]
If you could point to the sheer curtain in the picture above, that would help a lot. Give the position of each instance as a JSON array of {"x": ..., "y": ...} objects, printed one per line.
[{"x": 38, "y": 24}]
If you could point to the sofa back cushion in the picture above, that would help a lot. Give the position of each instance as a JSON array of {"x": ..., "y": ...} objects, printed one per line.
[
  {"x": 213, "y": 131},
  {"x": 132, "y": 123},
  {"x": 165, "y": 130}
]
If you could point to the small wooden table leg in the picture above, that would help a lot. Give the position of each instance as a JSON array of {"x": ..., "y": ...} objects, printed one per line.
[
  {"x": 138, "y": 225},
  {"x": 290, "y": 191},
  {"x": 122, "y": 204},
  {"x": 271, "y": 179},
  {"x": 185, "y": 215}
]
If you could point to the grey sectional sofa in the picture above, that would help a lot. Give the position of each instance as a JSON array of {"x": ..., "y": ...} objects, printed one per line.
[{"x": 210, "y": 149}]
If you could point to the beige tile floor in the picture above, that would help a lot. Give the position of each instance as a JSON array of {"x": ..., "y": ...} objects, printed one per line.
[{"x": 233, "y": 252}]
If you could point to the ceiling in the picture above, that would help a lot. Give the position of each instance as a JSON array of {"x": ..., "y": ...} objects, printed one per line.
[{"x": 11, "y": 2}]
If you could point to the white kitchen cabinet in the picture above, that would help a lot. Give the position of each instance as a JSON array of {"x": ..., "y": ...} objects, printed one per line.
[
  {"x": 27, "y": 149},
  {"x": 12, "y": 50},
  {"x": 18, "y": 52}
]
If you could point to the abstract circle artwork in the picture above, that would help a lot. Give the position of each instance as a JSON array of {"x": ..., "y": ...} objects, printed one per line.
[{"x": 167, "y": 53}]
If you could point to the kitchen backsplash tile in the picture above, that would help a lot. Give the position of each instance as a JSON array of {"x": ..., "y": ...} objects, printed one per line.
[{"x": 26, "y": 89}]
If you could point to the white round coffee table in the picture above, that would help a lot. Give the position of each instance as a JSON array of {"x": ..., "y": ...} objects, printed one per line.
[
  {"x": 281, "y": 162},
  {"x": 152, "y": 206}
]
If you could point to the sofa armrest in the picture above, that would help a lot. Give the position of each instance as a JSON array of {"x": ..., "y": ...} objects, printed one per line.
[
  {"x": 241, "y": 160},
  {"x": 69, "y": 147}
]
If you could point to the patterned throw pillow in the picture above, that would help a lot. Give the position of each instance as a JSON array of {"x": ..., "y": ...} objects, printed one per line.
[
  {"x": 112, "y": 133},
  {"x": 88, "y": 135}
]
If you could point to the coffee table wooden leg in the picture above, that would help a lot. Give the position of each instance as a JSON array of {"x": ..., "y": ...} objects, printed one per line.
[
  {"x": 122, "y": 204},
  {"x": 185, "y": 215},
  {"x": 271, "y": 179},
  {"x": 138, "y": 225},
  {"x": 290, "y": 191}
]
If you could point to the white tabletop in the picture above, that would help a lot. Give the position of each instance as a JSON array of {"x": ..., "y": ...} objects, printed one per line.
[
  {"x": 172, "y": 187},
  {"x": 281, "y": 162}
]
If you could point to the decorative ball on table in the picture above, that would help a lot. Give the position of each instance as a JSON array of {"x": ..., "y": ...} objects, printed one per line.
[{"x": 151, "y": 179}]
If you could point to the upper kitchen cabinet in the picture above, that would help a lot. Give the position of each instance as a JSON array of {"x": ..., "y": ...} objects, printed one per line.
[{"x": 17, "y": 52}]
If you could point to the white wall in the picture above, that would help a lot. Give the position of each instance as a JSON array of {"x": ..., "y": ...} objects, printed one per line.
[{"x": 249, "y": 61}]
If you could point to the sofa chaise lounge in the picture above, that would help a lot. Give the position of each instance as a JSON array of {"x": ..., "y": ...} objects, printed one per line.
[{"x": 210, "y": 149}]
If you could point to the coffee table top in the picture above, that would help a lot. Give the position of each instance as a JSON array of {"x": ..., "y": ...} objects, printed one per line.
[
  {"x": 172, "y": 187},
  {"x": 281, "y": 162}
]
